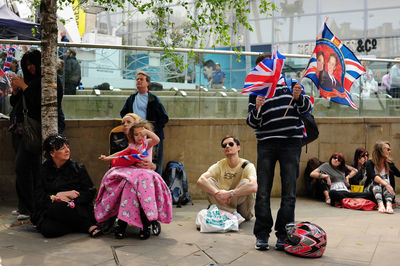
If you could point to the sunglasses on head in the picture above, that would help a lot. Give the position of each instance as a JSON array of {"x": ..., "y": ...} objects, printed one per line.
[
  {"x": 57, "y": 138},
  {"x": 336, "y": 158},
  {"x": 225, "y": 144}
]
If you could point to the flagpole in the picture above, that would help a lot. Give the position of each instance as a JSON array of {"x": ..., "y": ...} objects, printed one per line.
[{"x": 290, "y": 103}]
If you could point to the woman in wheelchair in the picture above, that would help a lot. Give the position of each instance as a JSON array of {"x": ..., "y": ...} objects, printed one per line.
[{"x": 131, "y": 190}]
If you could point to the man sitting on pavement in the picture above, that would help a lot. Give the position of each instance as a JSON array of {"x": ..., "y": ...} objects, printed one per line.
[{"x": 231, "y": 183}]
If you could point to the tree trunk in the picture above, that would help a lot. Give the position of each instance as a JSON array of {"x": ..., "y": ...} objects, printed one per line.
[{"x": 48, "y": 23}]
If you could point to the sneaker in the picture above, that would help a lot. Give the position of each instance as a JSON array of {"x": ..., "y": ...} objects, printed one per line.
[
  {"x": 23, "y": 217},
  {"x": 239, "y": 217},
  {"x": 262, "y": 244},
  {"x": 280, "y": 244},
  {"x": 15, "y": 212}
]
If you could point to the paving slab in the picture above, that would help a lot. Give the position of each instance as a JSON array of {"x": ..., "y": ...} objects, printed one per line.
[{"x": 354, "y": 238}]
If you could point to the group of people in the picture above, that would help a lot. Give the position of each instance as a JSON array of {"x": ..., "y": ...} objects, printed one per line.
[
  {"x": 232, "y": 182},
  {"x": 136, "y": 194},
  {"x": 333, "y": 179},
  {"x": 129, "y": 193},
  {"x": 58, "y": 194}
]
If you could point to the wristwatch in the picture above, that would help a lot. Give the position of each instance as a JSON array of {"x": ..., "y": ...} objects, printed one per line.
[{"x": 232, "y": 192}]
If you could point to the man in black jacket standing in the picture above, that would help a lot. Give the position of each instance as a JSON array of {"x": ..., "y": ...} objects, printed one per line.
[
  {"x": 72, "y": 72},
  {"x": 148, "y": 106}
]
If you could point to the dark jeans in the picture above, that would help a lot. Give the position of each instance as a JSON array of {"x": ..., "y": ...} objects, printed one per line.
[
  {"x": 337, "y": 196},
  {"x": 395, "y": 92},
  {"x": 158, "y": 159},
  {"x": 287, "y": 152},
  {"x": 27, "y": 167},
  {"x": 60, "y": 220}
]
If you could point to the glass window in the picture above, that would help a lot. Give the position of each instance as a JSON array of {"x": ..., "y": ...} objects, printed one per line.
[
  {"x": 341, "y": 5},
  {"x": 296, "y": 7},
  {"x": 383, "y": 22},
  {"x": 346, "y": 25},
  {"x": 261, "y": 31},
  {"x": 384, "y": 48},
  {"x": 295, "y": 29},
  {"x": 380, "y": 4}
]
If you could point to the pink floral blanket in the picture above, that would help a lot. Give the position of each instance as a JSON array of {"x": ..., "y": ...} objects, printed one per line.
[{"x": 124, "y": 189}]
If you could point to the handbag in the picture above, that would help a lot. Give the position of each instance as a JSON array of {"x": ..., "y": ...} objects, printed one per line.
[
  {"x": 31, "y": 132},
  {"x": 358, "y": 204}
]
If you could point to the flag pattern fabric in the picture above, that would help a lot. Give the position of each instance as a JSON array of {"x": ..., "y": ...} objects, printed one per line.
[
  {"x": 263, "y": 78},
  {"x": 333, "y": 68},
  {"x": 7, "y": 63},
  {"x": 131, "y": 156},
  {"x": 5, "y": 86}
]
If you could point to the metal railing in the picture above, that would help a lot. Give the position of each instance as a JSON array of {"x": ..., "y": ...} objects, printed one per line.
[{"x": 186, "y": 92}]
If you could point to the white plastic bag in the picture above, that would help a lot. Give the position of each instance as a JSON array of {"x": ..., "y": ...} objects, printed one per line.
[{"x": 215, "y": 220}]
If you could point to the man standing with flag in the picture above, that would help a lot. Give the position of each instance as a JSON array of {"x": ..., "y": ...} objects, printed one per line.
[{"x": 279, "y": 139}]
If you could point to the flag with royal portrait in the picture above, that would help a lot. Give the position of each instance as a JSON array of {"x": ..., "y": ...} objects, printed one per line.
[{"x": 333, "y": 68}]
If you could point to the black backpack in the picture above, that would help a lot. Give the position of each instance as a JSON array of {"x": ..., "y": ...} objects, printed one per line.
[
  {"x": 310, "y": 125},
  {"x": 311, "y": 129},
  {"x": 175, "y": 177}
]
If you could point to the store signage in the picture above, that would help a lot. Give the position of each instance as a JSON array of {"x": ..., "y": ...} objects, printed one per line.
[{"x": 367, "y": 45}]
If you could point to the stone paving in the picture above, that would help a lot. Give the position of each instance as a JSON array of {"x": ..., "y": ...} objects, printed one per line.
[{"x": 354, "y": 238}]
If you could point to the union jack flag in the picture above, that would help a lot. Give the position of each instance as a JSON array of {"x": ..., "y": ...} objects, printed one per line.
[
  {"x": 333, "y": 84},
  {"x": 131, "y": 156},
  {"x": 263, "y": 78},
  {"x": 5, "y": 86},
  {"x": 10, "y": 55}
]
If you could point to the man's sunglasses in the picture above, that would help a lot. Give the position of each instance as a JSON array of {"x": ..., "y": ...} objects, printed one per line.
[{"x": 225, "y": 144}]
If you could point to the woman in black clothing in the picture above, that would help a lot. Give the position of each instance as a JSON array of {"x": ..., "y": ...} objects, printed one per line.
[
  {"x": 64, "y": 194},
  {"x": 360, "y": 158},
  {"x": 27, "y": 164}
]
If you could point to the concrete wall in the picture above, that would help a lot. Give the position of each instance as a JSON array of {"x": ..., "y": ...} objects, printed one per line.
[
  {"x": 195, "y": 142},
  {"x": 211, "y": 105}
]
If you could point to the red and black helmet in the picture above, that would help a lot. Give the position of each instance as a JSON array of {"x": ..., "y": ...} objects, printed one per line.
[{"x": 305, "y": 239}]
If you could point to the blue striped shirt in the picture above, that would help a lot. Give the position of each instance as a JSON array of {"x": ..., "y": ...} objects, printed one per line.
[{"x": 269, "y": 123}]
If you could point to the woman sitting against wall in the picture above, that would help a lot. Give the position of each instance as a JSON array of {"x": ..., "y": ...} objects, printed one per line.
[
  {"x": 360, "y": 158},
  {"x": 63, "y": 196},
  {"x": 378, "y": 176},
  {"x": 336, "y": 179}
]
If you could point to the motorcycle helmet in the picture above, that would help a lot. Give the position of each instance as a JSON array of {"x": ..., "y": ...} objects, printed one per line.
[{"x": 305, "y": 239}]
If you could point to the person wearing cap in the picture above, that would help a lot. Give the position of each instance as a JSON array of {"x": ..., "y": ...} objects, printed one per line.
[
  {"x": 231, "y": 183},
  {"x": 218, "y": 77}
]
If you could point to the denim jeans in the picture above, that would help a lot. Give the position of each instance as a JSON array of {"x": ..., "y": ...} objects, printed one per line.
[{"x": 287, "y": 152}]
